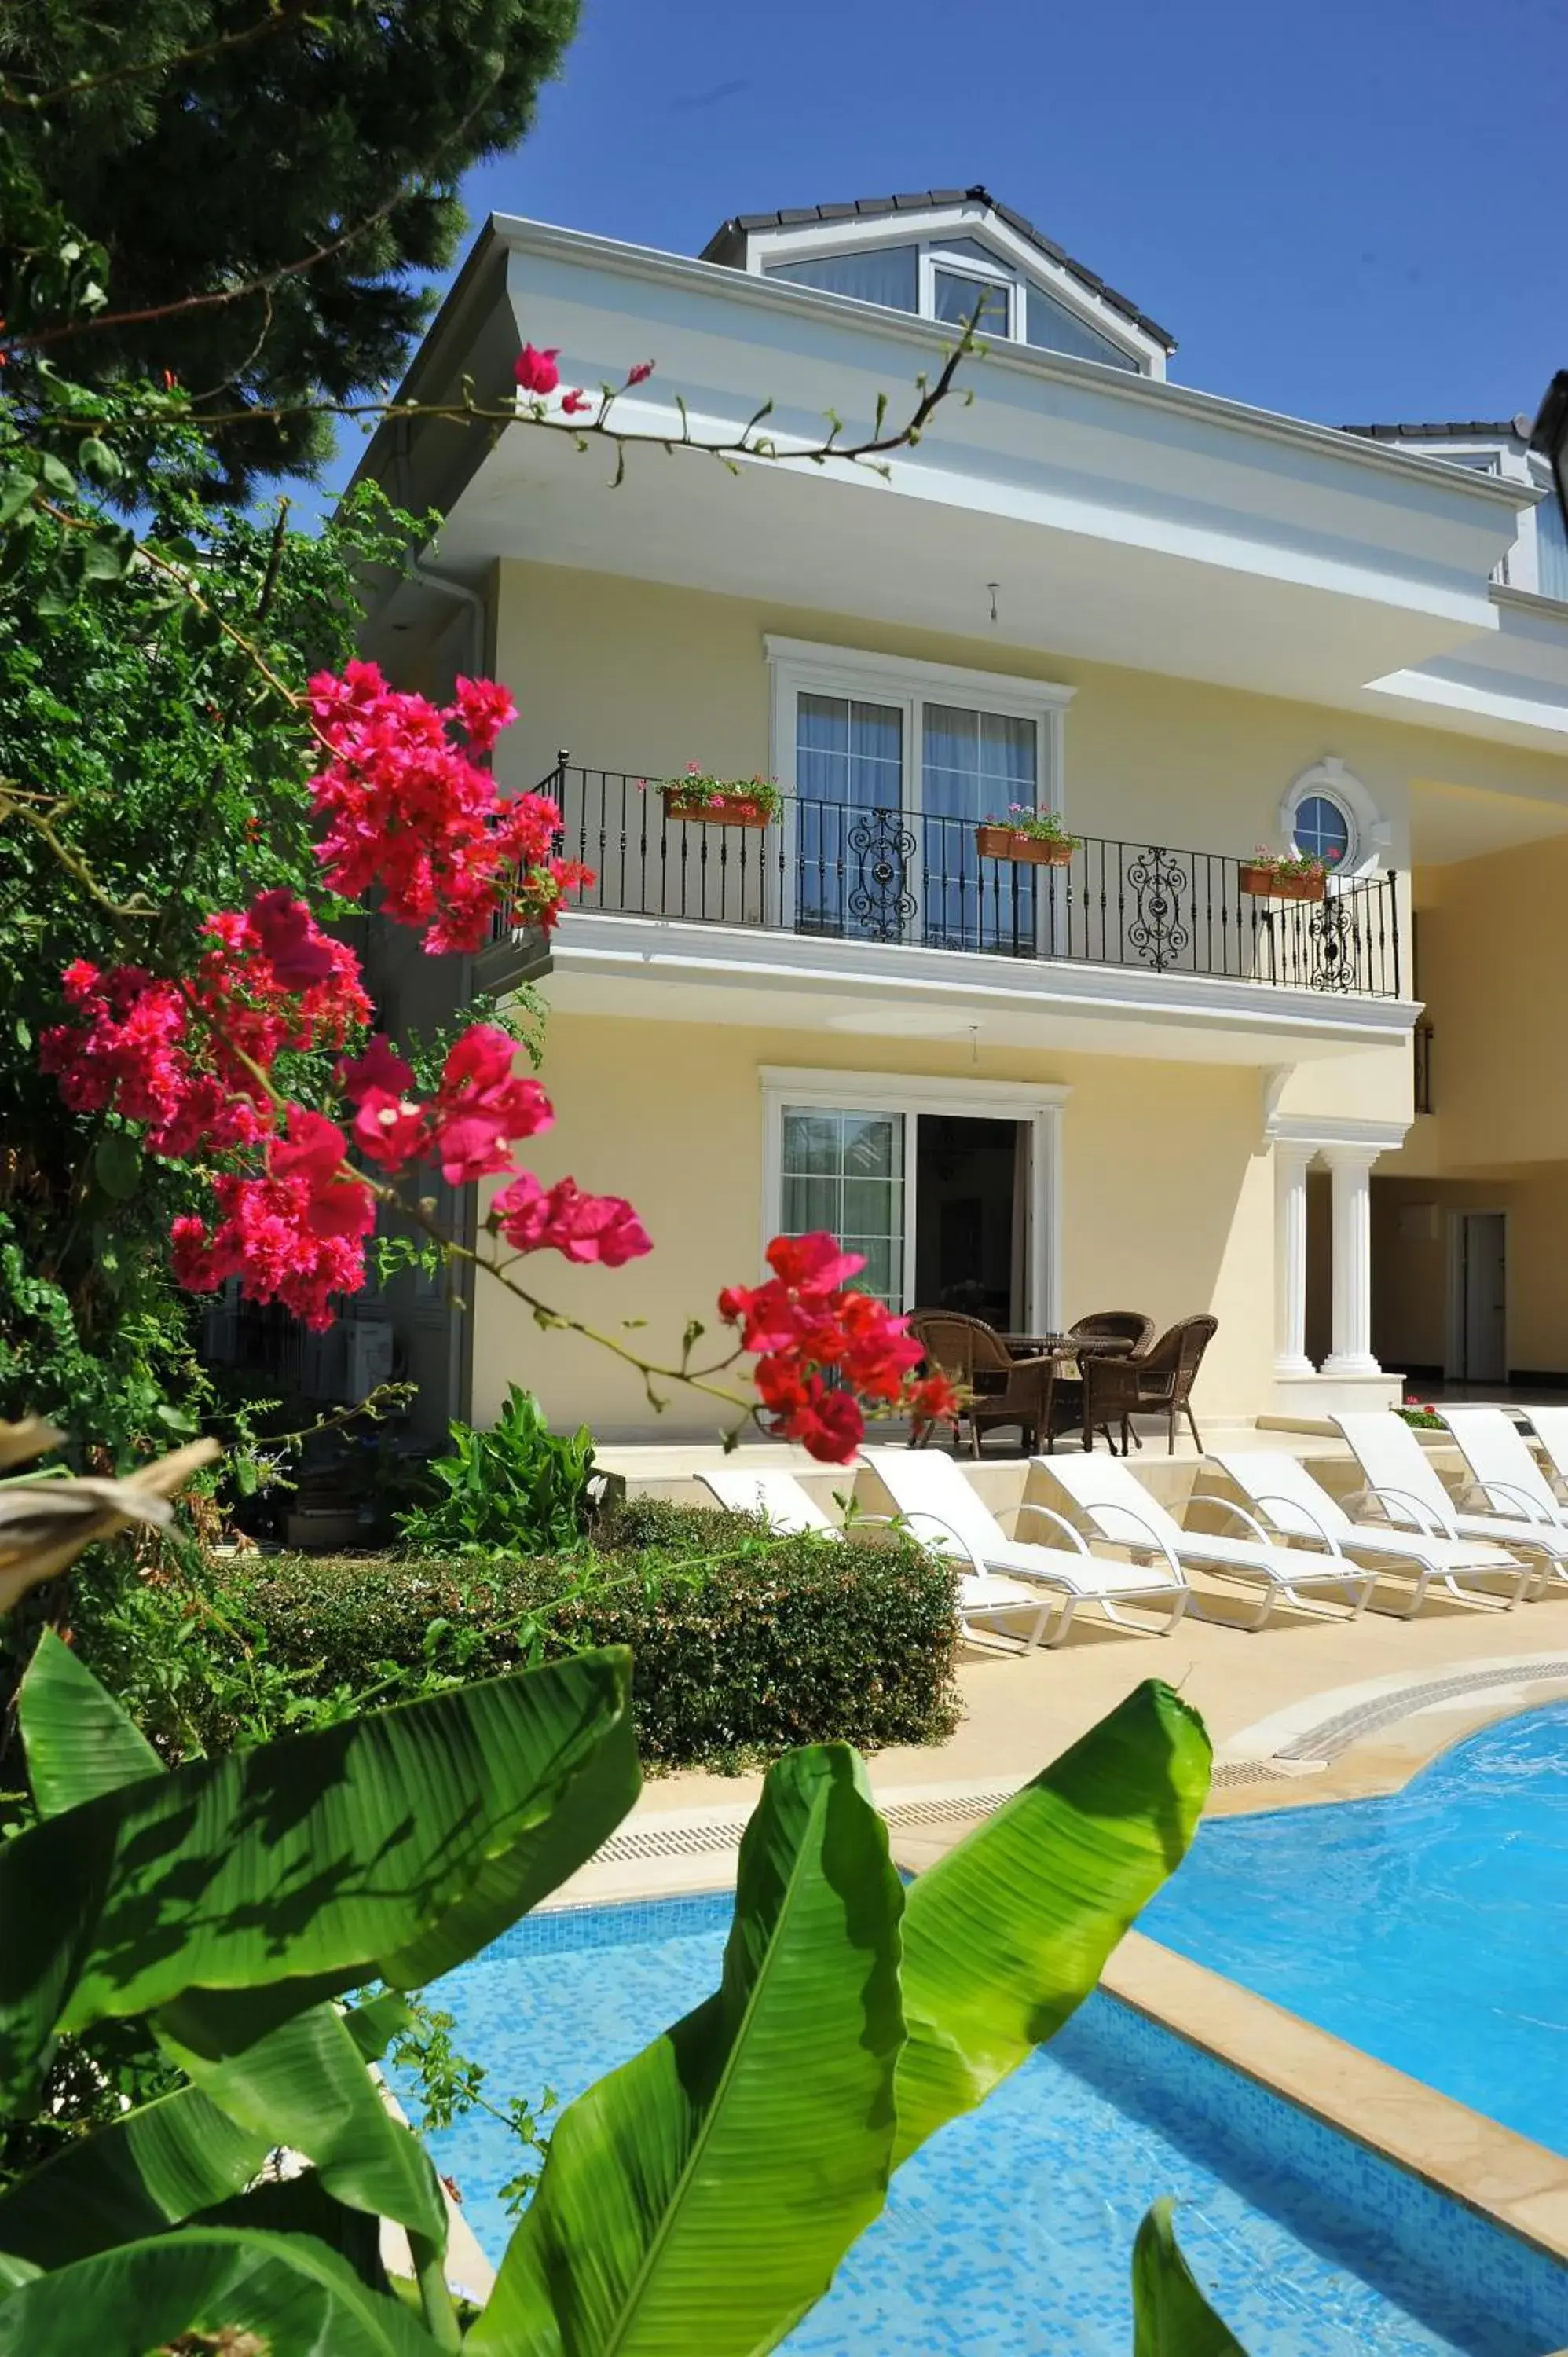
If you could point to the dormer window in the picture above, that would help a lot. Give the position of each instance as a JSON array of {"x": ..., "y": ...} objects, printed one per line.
[{"x": 953, "y": 255}]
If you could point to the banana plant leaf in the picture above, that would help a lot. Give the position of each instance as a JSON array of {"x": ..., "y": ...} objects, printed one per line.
[
  {"x": 79, "y": 1741},
  {"x": 701, "y": 2196},
  {"x": 304, "y": 2084},
  {"x": 290, "y": 2293},
  {"x": 390, "y": 1846},
  {"x": 151, "y": 2169},
  {"x": 1009, "y": 1932},
  {"x": 1170, "y": 2316}
]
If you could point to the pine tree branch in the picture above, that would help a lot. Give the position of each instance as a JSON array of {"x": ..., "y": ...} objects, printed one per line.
[{"x": 278, "y": 20}]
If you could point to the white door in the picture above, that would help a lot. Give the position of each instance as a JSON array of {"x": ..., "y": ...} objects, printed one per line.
[{"x": 1483, "y": 1278}]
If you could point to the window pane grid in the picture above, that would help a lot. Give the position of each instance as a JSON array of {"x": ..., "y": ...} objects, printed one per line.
[
  {"x": 1321, "y": 829},
  {"x": 845, "y": 1171}
]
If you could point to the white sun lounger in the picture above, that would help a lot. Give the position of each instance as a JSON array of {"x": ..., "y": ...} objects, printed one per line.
[
  {"x": 982, "y": 1599},
  {"x": 1506, "y": 1477},
  {"x": 1550, "y": 1425},
  {"x": 1402, "y": 1480},
  {"x": 1123, "y": 1512},
  {"x": 946, "y": 1513},
  {"x": 1292, "y": 1505}
]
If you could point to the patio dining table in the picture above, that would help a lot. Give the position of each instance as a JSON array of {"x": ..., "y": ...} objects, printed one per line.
[{"x": 1064, "y": 1352}]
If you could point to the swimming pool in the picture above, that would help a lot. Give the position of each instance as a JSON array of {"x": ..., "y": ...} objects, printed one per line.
[
  {"x": 1011, "y": 2232},
  {"x": 1430, "y": 1928}
]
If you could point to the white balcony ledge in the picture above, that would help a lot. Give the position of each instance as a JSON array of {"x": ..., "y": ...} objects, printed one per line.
[{"x": 660, "y": 969}]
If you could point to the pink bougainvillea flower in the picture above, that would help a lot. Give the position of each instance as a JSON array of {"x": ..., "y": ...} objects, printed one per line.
[
  {"x": 379, "y": 1066},
  {"x": 536, "y": 371},
  {"x": 581, "y": 1227},
  {"x": 574, "y": 401},
  {"x": 641, "y": 372},
  {"x": 297, "y": 949}
]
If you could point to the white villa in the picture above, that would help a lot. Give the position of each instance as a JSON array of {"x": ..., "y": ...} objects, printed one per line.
[{"x": 1192, "y": 627}]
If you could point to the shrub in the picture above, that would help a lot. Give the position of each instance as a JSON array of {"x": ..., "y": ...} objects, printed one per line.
[
  {"x": 744, "y": 1642},
  {"x": 515, "y": 1489}
]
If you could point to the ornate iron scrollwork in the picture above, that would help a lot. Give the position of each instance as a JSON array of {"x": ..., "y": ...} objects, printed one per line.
[
  {"x": 881, "y": 848},
  {"x": 1333, "y": 944},
  {"x": 1156, "y": 933}
]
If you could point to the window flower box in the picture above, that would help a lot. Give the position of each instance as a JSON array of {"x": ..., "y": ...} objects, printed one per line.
[
  {"x": 720, "y": 802},
  {"x": 1271, "y": 881},
  {"x": 1033, "y": 838}
]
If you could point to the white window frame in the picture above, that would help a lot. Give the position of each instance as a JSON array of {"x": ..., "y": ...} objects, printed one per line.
[
  {"x": 933, "y": 257},
  {"x": 803, "y": 667},
  {"x": 1041, "y": 1103},
  {"x": 1370, "y": 832},
  {"x": 930, "y": 231}
]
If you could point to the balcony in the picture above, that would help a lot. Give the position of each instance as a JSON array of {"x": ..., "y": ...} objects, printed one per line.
[{"x": 850, "y": 873}]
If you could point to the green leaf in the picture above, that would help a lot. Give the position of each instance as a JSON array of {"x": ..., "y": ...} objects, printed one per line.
[
  {"x": 373, "y": 2025},
  {"x": 293, "y": 2295},
  {"x": 306, "y": 2085},
  {"x": 57, "y": 475},
  {"x": 388, "y": 1847},
  {"x": 78, "y": 1740},
  {"x": 117, "y": 1164},
  {"x": 139, "y": 2175},
  {"x": 17, "y": 485},
  {"x": 99, "y": 462},
  {"x": 701, "y": 2196},
  {"x": 1008, "y": 1933},
  {"x": 108, "y": 554},
  {"x": 1170, "y": 2316}
]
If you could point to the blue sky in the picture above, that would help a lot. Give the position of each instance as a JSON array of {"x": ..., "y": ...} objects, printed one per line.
[{"x": 1345, "y": 211}]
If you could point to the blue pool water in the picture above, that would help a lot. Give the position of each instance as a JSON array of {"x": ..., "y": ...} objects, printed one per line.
[
  {"x": 1010, "y": 2233},
  {"x": 1430, "y": 1928}
]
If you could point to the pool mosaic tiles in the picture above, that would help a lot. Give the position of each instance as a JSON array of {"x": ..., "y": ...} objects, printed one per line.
[{"x": 1011, "y": 2232}]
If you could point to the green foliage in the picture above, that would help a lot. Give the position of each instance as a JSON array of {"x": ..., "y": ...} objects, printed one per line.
[
  {"x": 744, "y": 1642},
  {"x": 515, "y": 1489},
  {"x": 172, "y": 163},
  {"x": 452, "y": 2084},
  {"x": 188, "y": 794},
  {"x": 695, "y": 2200},
  {"x": 1170, "y": 2316}
]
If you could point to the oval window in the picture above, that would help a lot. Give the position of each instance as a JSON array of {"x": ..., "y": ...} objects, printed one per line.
[{"x": 1321, "y": 828}]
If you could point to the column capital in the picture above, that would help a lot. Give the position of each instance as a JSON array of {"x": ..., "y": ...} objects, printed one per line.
[{"x": 1343, "y": 1157}]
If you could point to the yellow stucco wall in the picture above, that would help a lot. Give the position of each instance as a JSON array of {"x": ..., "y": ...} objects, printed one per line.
[
  {"x": 1166, "y": 1206},
  {"x": 1492, "y": 978}
]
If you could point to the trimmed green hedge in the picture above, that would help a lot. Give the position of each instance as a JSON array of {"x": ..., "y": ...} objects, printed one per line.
[{"x": 743, "y": 1644}]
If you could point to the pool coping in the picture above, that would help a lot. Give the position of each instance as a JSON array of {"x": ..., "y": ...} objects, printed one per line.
[{"x": 1514, "y": 2184}]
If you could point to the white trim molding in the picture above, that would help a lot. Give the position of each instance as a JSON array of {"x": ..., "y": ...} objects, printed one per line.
[
  {"x": 1041, "y": 1103},
  {"x": 1324, "y": 1130}
]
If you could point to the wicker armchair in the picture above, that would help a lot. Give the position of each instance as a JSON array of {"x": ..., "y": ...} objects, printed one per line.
[
  {"x": 1153, "y": 1382},
  {"x": 1001, "y": 1389},
  {"x": 1115, "y": 1326}
]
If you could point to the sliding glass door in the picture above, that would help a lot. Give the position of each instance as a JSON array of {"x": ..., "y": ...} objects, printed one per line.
[{"x": 974, "y": 765}]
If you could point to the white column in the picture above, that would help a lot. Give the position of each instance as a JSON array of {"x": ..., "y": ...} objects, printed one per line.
[
  {"x": 1350, "y": 1168},
  {"x": 1290, "y": 1258}
]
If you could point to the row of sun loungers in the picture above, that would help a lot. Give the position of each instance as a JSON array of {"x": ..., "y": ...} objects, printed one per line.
[{"x": 1502, "y": 1538}]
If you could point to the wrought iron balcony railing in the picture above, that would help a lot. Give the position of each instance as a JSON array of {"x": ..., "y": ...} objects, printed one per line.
[{"x": 858, "y": 873}]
